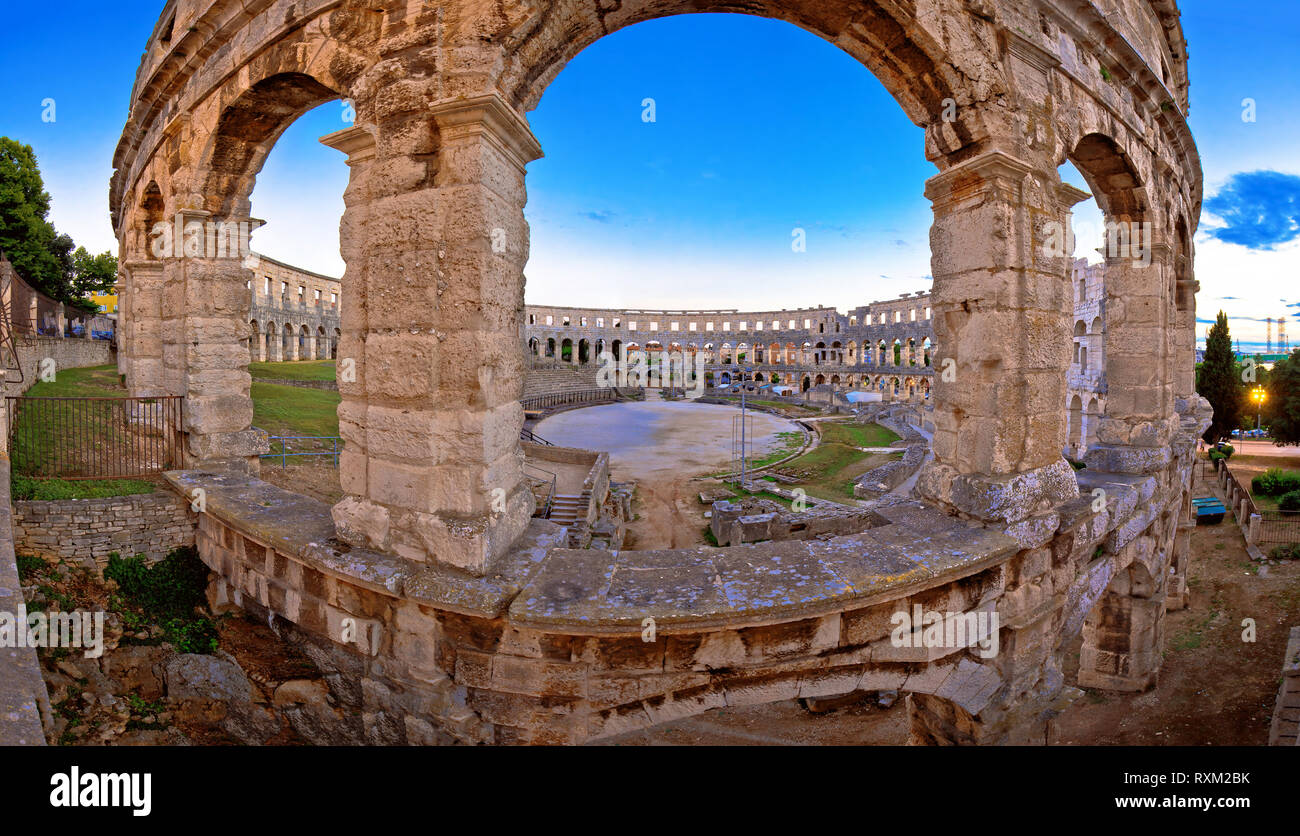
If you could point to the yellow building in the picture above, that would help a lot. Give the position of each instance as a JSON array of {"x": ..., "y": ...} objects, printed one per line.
[{"x": 107, "y": 302}]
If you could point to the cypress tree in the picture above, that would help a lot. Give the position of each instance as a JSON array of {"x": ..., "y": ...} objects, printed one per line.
[{"x": 1219, "y": 381}]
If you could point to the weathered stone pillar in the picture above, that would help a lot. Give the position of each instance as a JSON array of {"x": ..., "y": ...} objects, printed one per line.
[
  {"x": 1177, "y": 596},
  {"x": 140, "y": 343},
  {"x": 261, "y": 346},
  {"x": 1134, "y": 434},
  {"x": 311, "y": 347},
  {"x": 205, "y": 351},
  {"x": 1001, "y": 309},
  {"x": 1123, "y": 636},
  {"x": 432, "y": 465}
]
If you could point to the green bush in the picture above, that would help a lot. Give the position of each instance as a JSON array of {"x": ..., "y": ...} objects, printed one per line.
[
  {"x": 1265, "y": 483},
  {"x": 1289, "y": 501},
  {"x": 1275, "y": 481},
  {"x": 1228, "y": 450},
  {"x": 168, "y": 594},
  {"x": 1290, "y": 551}
]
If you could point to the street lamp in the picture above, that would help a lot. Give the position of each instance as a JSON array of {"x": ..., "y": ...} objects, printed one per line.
[
  {"x": 742, "y": 373},
  {"x": 1258, "y": 395}
]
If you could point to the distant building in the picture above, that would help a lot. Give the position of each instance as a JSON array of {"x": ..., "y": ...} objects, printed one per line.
[
  {"x": 107, "y": 302},
  {"x": 1085, "y": 395}
]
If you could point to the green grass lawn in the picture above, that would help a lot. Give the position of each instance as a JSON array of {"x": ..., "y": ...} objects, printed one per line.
[
  {"x": 855, "y": 435},
  {"x": 52, "y": 489},
  {"x": 70, "y": 438},
  {"x": 789, "y": 442},
  {"x": 829, "y": 471},
  {"x": 301, "y": 370},
  {"x": 293, "y": 410},
  {"x": 91, "y": 382}
]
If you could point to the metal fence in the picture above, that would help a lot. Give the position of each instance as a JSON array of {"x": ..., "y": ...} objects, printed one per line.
[
  {"x": 1279, "y": 527},
  {"x": 317, "y": 448},
  {"x": 563, "y": 398},
  {"x": 94, "y": 438}
]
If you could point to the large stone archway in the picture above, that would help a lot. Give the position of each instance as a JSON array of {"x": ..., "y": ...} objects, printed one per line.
[{"x": 435, "y": 244}]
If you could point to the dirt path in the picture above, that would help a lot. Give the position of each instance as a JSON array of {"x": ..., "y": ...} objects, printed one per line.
[{"x": 668, "y": 513}]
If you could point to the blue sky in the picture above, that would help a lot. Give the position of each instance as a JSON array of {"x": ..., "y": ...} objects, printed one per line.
[{"x": 760, "y": 129}]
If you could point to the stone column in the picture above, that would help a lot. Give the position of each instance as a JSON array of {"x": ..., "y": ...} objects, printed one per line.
[
  {"x": 1001, "y": 313},
  {"x": 1124, "y": 634},
  {"x": 140, "y": 343},
  {"x": 311, "y": 347},
  {"x": 1134, "y": 434},
  {"x": 261, "y": 346},
  {"x": 432, "y": 313},
  {"x": 205, "y": 350},
  {"x": 123, "y": 315}
]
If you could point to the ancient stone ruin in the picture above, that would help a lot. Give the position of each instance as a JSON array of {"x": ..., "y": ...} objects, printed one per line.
[{"x": 456, "y": 613}]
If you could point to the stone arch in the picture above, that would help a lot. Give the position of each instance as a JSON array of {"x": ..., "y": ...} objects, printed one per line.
[
  {"x": 1111, "y": 175},
  {"x": 920, "y": 72},
  {"x": 256, "y": 342},
  {"x": 1076, "y": 424},
  {"x": 440, "y": 118},
  {"x": 246, "y": 132}
]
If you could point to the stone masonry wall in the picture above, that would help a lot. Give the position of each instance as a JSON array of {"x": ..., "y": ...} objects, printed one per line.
[
  {"x": 67, "y": 353},
  {"x": 91, "y": 529}
]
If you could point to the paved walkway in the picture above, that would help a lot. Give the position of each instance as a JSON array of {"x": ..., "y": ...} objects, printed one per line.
[
  {"x": 1253, "y": 447},
  {"x": 905, "y": 489}
]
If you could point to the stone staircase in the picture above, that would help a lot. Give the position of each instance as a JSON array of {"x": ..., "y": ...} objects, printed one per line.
[
  {"x": 561, "y": 379},
  {"x": 654, "y": 394},
  {"x": 569, "y": 508}
]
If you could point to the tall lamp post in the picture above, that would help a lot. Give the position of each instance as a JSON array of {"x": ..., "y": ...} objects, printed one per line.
[
  {"x": 1258, "y": 395},
  {"x": 741, "y": 374}
]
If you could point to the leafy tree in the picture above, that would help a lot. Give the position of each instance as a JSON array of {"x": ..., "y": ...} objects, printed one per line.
[
  {"x": 1282, "y": 409},
  {"x": 1219, "y": 381},
  {"x": 43, "y": 257},
  {"x": 27, "y": 238},
  {"x": 93, "y": 273}
]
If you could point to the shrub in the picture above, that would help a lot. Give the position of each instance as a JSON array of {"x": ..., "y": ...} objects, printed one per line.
[
  {"x": 168, "y": 594},
  {"x": 1289, "y": 501},
  {"x": 1228, "y": 450},
  {"x": 1275, "y": 481},
  {"x": 1265, "y": 483},
  {"x": 1290, "y": 551}
]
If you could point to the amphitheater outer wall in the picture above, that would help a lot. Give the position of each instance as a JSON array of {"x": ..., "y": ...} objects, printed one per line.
[{"x": 475, "y": 624}]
